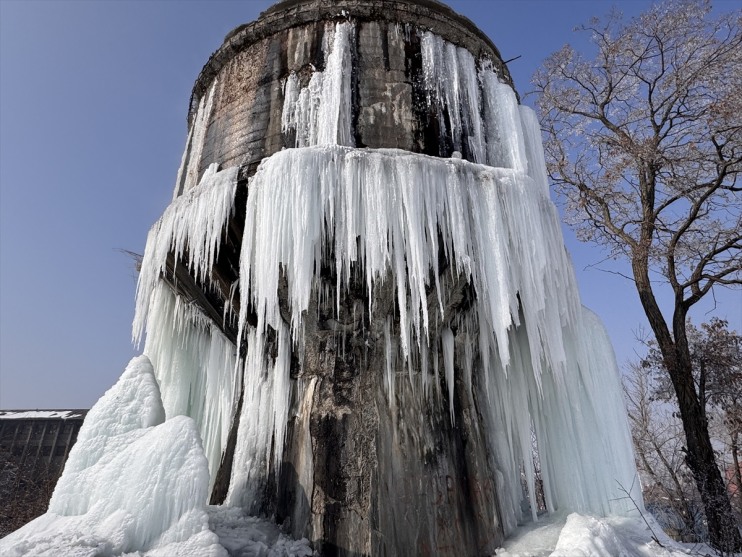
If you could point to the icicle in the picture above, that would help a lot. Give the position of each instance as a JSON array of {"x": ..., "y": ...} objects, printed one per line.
[
  {"x": 449, "y": 76},
  {"x": 505, "y": 144},
  {"x": 471, "y": 103},
  {"x": 534, "y": 148},
  {"x": 468, "y": 366},
  {"x": 335, "y": 110},
  {"x": 389, "y": 375},
  {"x": 424, "y": 369},
  {"x": 197, "y": 136},
  {"x": 263, "y": 420},
  {"x": 281, "y": 389},
  {"x": 447, "y": 341},
  {"x": 182, "y": 168},
  {"x": 194, "y": 364}
]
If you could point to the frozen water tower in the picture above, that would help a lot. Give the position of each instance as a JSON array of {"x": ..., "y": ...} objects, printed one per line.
[{"x": 360, "y": 292}]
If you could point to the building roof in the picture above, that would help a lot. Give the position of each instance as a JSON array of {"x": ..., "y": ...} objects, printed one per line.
[{"x": 42, "y": 414}]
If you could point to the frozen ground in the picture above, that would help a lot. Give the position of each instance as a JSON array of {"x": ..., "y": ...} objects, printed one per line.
[
  {"x": 578, "y": 535},
  {"x": 248, "y": 536}
]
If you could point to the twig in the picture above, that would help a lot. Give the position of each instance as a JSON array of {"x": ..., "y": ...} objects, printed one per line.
[{"x": 641, "y": 513}]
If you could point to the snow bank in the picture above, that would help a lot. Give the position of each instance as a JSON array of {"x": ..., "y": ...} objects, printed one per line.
[{"x": 586, "y": 536}]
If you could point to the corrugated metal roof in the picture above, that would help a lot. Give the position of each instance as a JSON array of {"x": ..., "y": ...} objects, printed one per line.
[{"x": 42, "y": 414}]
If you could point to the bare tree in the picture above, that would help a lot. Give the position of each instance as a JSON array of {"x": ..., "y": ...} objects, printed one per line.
[
  {"x": 658, "y": 442},
  {"x": 645, "y": 144},
  {"x": 716, "y": 355}
]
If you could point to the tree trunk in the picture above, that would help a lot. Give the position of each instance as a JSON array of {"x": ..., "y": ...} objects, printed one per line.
[
  {"x": 723, "y": 531},
  {"x": 737, "y": 474}
]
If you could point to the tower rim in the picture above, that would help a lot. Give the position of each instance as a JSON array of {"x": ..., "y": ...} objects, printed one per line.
[{"x": 430, "y": 15}]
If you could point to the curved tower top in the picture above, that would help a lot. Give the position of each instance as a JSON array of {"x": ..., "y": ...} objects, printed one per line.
[
  {"x": 428, "y": 15},
  {"x": 400, "y": 74}
]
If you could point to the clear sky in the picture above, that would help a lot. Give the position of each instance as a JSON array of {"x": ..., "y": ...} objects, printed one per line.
[{"x": 93, "y": 101}]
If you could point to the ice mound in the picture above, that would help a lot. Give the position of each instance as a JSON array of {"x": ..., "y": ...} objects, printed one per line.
[
  {"x": 123, "y": 414},
  {"x": 586, "y": 536},
  {"x": 133, "y": 482},
  {"x": 249, "y": 536}
]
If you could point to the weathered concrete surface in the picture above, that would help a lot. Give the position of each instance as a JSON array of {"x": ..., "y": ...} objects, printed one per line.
[
  {"x": 251, "y": 67},
  {"x": 424, "y": 14},
  {"x": 363, "y": 475}
]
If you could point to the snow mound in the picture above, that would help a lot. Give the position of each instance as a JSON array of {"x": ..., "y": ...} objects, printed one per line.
[
  {"x": 249, "y": 536},
  {"x": 136, "y": 485},
  {"x": 578, "y": 535},
  {"x": 586, "y": 536},
  {"x": 122, "y": 415}
]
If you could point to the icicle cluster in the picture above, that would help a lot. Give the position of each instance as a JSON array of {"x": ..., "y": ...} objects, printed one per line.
[
  {"x": 191, "y": 229},
  {"x": 195, "y": 367},
  {"x": 264, "y": 417},
  {"x": 187, "y": 177},
  {"x": 388, "y": 210},
  {"x": 320, "y": 112}
]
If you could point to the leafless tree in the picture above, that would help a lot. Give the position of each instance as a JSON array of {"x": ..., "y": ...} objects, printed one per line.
[
  {"x": 644, "y": 142},
  {"x": 658, "y": 442},
  {"x": 716, "y": 355}
]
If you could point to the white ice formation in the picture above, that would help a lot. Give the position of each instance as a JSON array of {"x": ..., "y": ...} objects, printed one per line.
[
  {"x": 136, "y": 484},
  {"x": 133, "y": 482},
  {"x": 545, "y": 363}
]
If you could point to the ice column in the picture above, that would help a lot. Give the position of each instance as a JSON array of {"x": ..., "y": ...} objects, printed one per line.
[{"x": 320, "y": 112}]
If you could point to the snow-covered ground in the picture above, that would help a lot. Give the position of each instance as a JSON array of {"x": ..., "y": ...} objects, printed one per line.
[
  {"x": 135, "y": 485},
  {"x": 577, "y": 535}
]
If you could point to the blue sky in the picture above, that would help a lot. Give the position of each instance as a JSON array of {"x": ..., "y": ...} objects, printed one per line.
[{"x": 93, "y": 101}]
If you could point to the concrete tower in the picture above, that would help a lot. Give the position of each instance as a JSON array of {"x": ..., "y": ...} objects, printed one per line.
[{"x": 359, "y": 475}]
